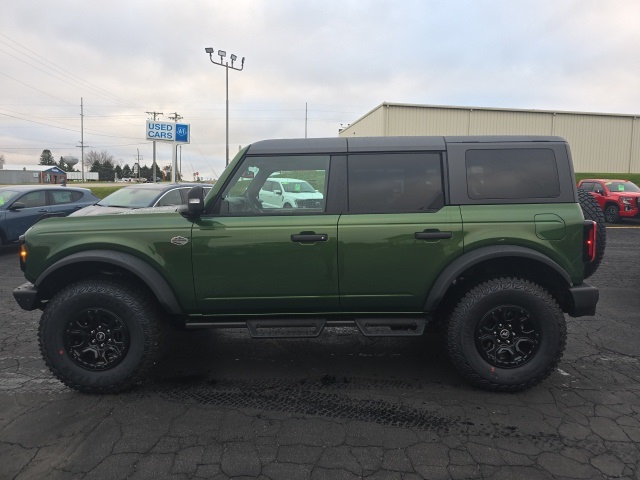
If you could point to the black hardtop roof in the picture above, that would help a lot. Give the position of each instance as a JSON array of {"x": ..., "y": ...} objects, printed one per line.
[{"x": 378, "y": 144}]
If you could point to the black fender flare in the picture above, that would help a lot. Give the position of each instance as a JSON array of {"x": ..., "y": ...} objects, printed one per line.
[
  {"x": 149, "y": 275},
  {"x": 474, "y": 257}
]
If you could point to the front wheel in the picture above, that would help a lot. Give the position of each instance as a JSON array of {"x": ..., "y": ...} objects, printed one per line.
[
  {"x": 506, "y": 334},
  {"x": 99, "y": 336},
  {"x": 611, "y": 214}
]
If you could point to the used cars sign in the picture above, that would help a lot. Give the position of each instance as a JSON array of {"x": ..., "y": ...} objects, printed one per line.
[{"x": 167, "y": 131}]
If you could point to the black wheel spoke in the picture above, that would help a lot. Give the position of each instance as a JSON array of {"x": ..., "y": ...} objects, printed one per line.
[
  {"x": 507, "y": 336},
  {"x": 96, "y": 339}
]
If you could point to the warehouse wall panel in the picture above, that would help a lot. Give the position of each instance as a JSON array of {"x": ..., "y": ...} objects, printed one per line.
[{"x": 599, "y": 142}]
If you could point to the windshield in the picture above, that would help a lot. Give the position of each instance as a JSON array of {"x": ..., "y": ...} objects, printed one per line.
[
  {"x": 6, "y": 196},
  {"x": 131, "y": 197},
  {"x": 622, "y": 187},
  {"x": 297, "y": 186}
]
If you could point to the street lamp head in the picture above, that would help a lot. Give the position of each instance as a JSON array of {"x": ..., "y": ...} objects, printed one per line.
[
  {"x": 209, "y": 50},
  {"x": 222, "y": 53},
  {"x": 233, "y": 57},
  {"x": 242, "y": 64}
]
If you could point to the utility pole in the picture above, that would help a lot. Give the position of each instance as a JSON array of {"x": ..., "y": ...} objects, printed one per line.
[
  {"x": 154, "y": 146},
  {"x": 174, "y": 157},
  {"x": 139, "y": 168},
  {"x": 82, "y": 145},
  {"x": 82, "y": 138}
]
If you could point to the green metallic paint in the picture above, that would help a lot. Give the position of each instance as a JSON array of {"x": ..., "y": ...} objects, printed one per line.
[
  {"x": 486, "y": 225},
  {"x": 249, "y": 264},
  {"x": 146, "y": 236},
  {"x": 375, "y": 277}
]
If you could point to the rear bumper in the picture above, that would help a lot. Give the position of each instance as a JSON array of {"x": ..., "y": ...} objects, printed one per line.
[
  {"x": 27, "y": 296},
  {"x": 583, "y": 300}
]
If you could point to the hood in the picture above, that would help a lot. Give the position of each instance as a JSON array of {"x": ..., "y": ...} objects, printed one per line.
[
  {"x": 97, "y": 210},
  {"x": 100, "y": 210}
]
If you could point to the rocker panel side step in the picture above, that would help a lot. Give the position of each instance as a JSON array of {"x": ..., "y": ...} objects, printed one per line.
[
  {"x": 391, "y": 327},
  {"x": 286, "y": 328}
]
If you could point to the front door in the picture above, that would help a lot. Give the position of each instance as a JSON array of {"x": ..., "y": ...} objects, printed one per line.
[
  {"x": 19, "y": 220},
  {"x": 250, "y": 256}
]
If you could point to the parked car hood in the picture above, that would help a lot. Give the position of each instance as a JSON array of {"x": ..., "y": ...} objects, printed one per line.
[{"x": 98, "y": 210}]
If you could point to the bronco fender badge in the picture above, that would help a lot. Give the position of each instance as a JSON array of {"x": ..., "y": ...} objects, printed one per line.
[{"x": 179, "y": 241}]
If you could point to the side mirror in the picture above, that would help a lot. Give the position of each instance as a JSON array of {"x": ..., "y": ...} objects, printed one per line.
[
  {"x": 278, "y": 192},
  {"x": 195, "y": 202},
  {"x": 17, "y": 206}
]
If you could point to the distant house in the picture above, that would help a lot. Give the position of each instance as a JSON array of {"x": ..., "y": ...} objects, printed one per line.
[{"x": 26, "y": 174}]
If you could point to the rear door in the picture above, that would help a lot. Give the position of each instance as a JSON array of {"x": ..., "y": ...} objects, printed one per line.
[
  {"x": 398, "y": 234},
  {"x": 64, "y": 201}
]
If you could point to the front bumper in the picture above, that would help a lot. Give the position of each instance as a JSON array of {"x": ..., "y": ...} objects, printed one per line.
[
  {"x": 583, "y": 300},
  {"x": 27, "y": 296}
]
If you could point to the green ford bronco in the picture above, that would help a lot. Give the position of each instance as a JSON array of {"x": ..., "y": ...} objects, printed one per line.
[{"x": 483, "y": 237}]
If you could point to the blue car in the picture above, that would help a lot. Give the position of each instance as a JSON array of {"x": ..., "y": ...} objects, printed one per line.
[{"x": 23, "y": 205}]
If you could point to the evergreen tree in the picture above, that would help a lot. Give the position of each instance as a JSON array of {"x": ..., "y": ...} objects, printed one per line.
[{"x": 46, "y": 158}]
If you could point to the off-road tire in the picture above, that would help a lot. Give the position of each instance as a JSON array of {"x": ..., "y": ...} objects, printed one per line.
[
  {"x": 592, "y": 211},
  {"x": 481, "y": 303},
  {"x": 133, "y": 309}
]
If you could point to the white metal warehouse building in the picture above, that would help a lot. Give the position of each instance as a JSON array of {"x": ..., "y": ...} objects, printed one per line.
[{"x": 600, "y": 142}]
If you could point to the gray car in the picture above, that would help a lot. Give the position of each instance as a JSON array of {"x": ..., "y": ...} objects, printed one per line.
[
  {"x": 142, "y": 196},
  {"x": 23, "y": 205}
]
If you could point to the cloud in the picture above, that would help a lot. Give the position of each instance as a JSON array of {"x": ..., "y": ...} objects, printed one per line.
[{"x": 341, "y": 58}]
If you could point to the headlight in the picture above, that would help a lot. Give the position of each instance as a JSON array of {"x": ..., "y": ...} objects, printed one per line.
[{"x": 626, "y": 200}]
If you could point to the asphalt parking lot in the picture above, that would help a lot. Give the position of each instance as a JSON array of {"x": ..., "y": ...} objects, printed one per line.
[{"x": 221, "y": 405}]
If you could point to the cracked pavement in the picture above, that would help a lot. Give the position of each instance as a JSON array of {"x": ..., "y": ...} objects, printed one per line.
[{"x": 221, "y": 405}]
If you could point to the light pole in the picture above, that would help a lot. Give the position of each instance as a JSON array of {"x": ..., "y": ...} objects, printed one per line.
[{"x": 222, "y": 54}]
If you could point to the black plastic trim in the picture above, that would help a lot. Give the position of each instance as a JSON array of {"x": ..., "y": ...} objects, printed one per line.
[
  {"x": 149, "y": 275},
  {"x": 467, "y": 260},
  {"x": 584, "y": 299}
]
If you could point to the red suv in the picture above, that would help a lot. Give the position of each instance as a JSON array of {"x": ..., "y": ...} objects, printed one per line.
[{"x": 617, "y": 198}]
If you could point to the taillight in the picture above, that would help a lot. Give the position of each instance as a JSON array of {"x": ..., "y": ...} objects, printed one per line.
[{"x": 589, "y": 244}]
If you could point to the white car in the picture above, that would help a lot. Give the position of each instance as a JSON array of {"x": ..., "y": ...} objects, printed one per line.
[{"x": 289, "y": 193}]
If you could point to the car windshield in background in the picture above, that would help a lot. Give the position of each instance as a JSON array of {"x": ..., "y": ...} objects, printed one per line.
[
  {"x": 131, "y": 197},
  {"x": 298, "y": 187},
  {"x": 6, "y": 196},
  {"x": 622, "y": 187}
]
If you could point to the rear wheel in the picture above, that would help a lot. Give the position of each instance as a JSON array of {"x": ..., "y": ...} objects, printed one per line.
[
  {"x": 592, "y": 211},
  {"x": 506, "y": 334},
  {"x": 99, "y": 336}
]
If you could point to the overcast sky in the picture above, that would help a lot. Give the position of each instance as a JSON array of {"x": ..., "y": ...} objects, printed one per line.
[{"x": 341, "y": 58}]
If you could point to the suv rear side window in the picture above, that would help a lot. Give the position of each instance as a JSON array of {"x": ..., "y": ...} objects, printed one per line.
[
  {"x": 512, "y": 173},
  {"x": 60, "y": 197},
  {"x": 395, "y": 182}
]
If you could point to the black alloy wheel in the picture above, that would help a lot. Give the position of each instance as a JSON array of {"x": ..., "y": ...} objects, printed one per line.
[
  {"x": 96, "y": 339},
  {"x": 508, "y": 336}
]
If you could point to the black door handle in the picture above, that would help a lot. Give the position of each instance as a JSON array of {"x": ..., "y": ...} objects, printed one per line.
[
  {"x": 310, "y": 237},
  {"x": 433, "y": 235}
]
